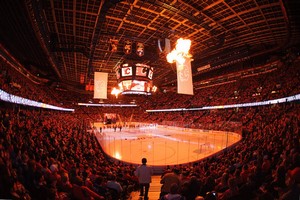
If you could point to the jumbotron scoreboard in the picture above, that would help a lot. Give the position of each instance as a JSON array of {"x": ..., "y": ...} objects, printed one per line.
[{"x": 135, "y": 78}]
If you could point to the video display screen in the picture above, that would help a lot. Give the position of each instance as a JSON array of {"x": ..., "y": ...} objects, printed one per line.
[
  {"x": 135, "y": 85},
  {"x": 135, "y": 78}
]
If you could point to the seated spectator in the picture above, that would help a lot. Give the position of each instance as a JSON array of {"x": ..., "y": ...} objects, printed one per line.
[
  {"x": 167, "y": 180},
  {"x": 65, "y": 185},
  {"x": 223, "y": 184},
  {"x": 232, "y": 190},
  {"x": 293, "y": 183},
  {"x": 18, "y": 190},
  {"x": 173, "y": 194},
  {"x": 114, "y": 186},
  {"x": 191, "y": 189},
  {"x": 278, "y": 185},
  {"x": 100, "y": 187},
  {"x": 81, "y": 192}
]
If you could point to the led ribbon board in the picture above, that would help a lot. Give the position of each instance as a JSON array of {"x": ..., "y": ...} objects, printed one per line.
[
  {"x": 261, "y": 103},
  {"x": 4, "y": 96}
]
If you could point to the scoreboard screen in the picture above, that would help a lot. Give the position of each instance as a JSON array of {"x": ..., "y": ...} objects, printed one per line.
[{"x": 135, "y": 78}]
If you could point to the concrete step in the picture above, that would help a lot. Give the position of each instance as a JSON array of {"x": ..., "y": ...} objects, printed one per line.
[{"x": 154, "y": 190}]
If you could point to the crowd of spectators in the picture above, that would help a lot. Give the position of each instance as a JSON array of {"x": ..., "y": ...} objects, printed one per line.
[
  {"x": 51, "y": 155},
  {"x": 264, "y": 165}
]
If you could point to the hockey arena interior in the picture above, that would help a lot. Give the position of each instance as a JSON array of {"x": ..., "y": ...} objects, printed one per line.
[{"x": 204, "y": 94}]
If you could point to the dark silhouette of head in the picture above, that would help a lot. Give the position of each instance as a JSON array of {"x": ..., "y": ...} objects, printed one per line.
[{"x": 144, "y": 161}]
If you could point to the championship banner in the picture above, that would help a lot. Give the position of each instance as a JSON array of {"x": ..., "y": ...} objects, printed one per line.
[
  {"x": 128, "y": 47},
  {"x": 184, "y": 78},
  {"x": 100, "y": 85},
  {"x": 139, "y": 49},
  {"x": 113, "y": 45}
]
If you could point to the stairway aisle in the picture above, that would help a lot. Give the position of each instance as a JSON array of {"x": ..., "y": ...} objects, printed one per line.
[{"x": 154, "y": 190}]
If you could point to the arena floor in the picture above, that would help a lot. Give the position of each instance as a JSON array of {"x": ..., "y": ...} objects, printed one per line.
[{"x": 163, "y": 145}]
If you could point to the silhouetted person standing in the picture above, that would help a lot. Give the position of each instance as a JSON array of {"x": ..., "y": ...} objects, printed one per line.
[{"x": 144, "y": 173}]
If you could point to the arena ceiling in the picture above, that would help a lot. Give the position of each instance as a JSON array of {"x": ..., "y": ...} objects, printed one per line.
[{"x": 67, "y": 40}]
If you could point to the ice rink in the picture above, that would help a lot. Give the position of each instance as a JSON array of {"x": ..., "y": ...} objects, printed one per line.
[{"x": 163, "y": 145}]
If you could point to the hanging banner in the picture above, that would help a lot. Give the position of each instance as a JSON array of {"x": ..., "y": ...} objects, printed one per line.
[
  {"x": 167, "y": 46},
  {"x": 100, "y": 85},
  {"x": 184, "y": 78},
  {"x": 113, "y": 45},
  {"x": 139, "y": 49},
  {"x": 150, "y": 75},
  {"x": 81, "y": 79},
  {"x": 128, "y": 47},
  {"x": 89, "y": 87}
]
